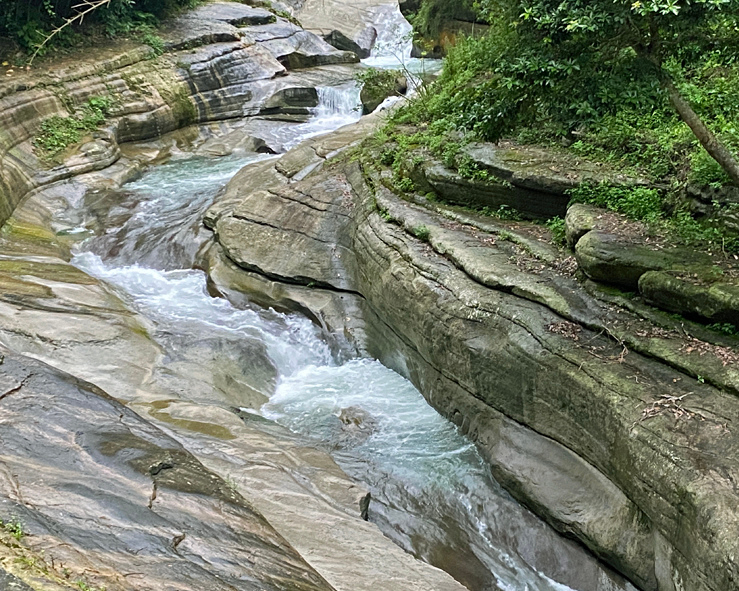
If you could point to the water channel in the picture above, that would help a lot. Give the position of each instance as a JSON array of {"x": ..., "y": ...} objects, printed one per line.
[{"x": 432, "y": 492}]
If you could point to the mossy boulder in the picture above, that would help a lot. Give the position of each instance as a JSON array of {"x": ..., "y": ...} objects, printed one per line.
[
  {"x": 580, "y": 219},
  {"x": 380, "y": 85}
]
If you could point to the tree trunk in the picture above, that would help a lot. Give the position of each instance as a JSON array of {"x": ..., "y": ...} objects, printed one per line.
[{"x": 708, "y": 140}]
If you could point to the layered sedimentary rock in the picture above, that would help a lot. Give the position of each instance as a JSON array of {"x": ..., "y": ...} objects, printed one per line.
[
  {"x": 222, "y": 61},
  {"x": 607, "y": 419},
  {"x": 351, "y": 26}
]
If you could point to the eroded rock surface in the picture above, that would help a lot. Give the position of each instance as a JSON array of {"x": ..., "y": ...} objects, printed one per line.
[
  {"x": 107, "y": 499},
  {"x": 223, "y": 61},
  {"x": 589, "y": 412},
  {"x": 351, "y": 26}
]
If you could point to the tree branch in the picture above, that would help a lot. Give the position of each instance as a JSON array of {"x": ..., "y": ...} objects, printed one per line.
[{"x": 88, "y": 5}]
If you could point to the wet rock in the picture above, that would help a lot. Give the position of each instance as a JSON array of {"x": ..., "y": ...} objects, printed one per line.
[
  {"x": 296, "y": 48},
  {"x": 357, "y": 425},
  {"x": 350, "y": 26},
  {"x": 291, "y": 104},
  {"x": 224, "y": 61},
  {"x": 189, "y": 387},
  {"x": 361, "y": 44},
  {"x": 338, "y": 314},
  {"x": 233, "y": 13},
  {"x": 10, "y": 583},
  {"x": 127, "y": 497}
]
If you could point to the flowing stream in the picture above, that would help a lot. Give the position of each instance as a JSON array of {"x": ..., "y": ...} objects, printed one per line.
[{"x": 432, "y": 493}]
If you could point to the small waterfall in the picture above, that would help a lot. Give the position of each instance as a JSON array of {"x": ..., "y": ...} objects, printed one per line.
[
  {"x": 394, "y": 46},
  {"x": 337, "y": 106},
  {"x": 339, "y": 101}
]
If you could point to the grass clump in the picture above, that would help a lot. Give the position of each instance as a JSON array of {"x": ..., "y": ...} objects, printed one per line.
[
  {"x": 84, "y": 586},
  {"x": 14, "y": 528},
  {"x": 57, "y": 133},
  {"x": 502, "y": 212},
  {"x": 422, "y": 233},
  {"x": 638, "y": 203},
  {"x": 154, "y": 41}
]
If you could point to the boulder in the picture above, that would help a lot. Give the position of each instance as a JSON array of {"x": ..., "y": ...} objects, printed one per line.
[
  {"x": 373, "y": 95},
  {"x": 350, "y": 26},
  {"x": 361, "y": 44},
  {"x": 493, "y": 193},
  {"x": 580, "y": 219},
  {"x": 294, "y": 102}
]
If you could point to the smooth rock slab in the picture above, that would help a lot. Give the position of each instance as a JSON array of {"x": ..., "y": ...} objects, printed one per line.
[{"x": 120, "y": 503}]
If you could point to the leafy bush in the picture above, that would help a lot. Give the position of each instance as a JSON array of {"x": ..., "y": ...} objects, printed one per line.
[
  {"x": 155, "y": 42},
  {"x": 549, "y": 72},
  {"x": 556, "y": 226}
]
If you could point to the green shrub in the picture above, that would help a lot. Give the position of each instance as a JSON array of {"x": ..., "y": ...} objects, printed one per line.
[
  {"x": 377, "y": 78},
  {"x": 155, "y": 42},
  {"x": 638, "y": 203},
  {"x": 57, "y": 133},
  {"x": 405, "y": 184},
  {"x": 556, "y": 226},
  {"x": 433, "y": 14},
  {"x": 646, "y": 205}
]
